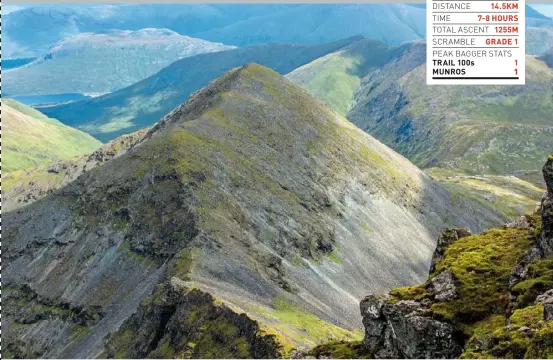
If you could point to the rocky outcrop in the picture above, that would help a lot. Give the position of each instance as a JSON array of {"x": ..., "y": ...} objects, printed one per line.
[
  {"x": 446, "y": 238},
  {"x": 547, "y": 300},
  {"x": 179, "y": 322},
  {"x": 546, "y": 239},
  {"x": 443, "y": 286},
  {"x": 400, "y": 330}
]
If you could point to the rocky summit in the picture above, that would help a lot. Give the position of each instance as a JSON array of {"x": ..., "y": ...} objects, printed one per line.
[
  {"x": 488, "y": 296},
  {"x": 248, "y": 222}
]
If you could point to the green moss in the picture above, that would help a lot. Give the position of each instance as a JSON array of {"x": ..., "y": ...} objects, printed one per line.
[
  {"x": 296, "y": 260},
  {"x": 528, "y": 316},
  {"x": 416, "y": 292},
  {"x": 482, "y": 265},
  {"x": 539, "y": 278},
  {"x": 334, "y": 257},
  {"x": 182, "y": 263},
  {"x": 164, "y": 351},
  {"x": 367, "y": 228},
  {"x": 541, "y": 346},
  {"x": 508, "y": 342}
]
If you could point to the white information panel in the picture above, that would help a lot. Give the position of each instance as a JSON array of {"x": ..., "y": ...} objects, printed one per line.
[{"x": 475, "y": 42}]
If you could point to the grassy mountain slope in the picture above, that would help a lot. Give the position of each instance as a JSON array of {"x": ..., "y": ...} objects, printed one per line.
[
  {"x": 32, "y": 139},
  {"x": 22, "y": 187},
  {"x": 241, "y": 224},
  {"x": 100, "y": 63},
  {"x": 142, "y": 104},
  {"x": 477, "y": 129},
  {"x": 335, "y": 77},
  {"x": 511, "y": 195}
]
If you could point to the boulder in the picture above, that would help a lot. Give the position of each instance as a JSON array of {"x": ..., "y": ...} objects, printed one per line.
[
  {"x": 547, "y": 300},
  {"x": 443, "y": 286}
]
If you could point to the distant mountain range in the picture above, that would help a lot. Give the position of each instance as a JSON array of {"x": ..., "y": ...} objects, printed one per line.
[
  {"x": 142, "y": 104},
  {"x": 101, "y": 63},
  {"x": 30, "y": 32},
  {"x": 32, "y": 139}
]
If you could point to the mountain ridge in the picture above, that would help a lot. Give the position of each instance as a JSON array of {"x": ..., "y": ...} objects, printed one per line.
[{"x": 250, "y": 191}]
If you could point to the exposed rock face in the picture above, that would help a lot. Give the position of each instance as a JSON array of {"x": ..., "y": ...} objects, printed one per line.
[
  {"x": 547, "y": 300},
  {"x": 399, "y": 331},
  {"x": 443, "y": 286},
  {"x": 173, "y": 313},
  {"x": 446, "y": 238},
  {"x": 546, "y": 240}
]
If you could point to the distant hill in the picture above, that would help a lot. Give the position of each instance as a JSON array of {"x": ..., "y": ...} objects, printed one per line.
[
  {"x": 32, "y": 139},
  {"x": 142, "y": 104},
  {"x": 30, "y": 32},
  {"x": 390, "y": 23},
  {"x": 100, "y": 63},
  {"x": 484, "y": 130},
  {"x": 335, "y": 77}
]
